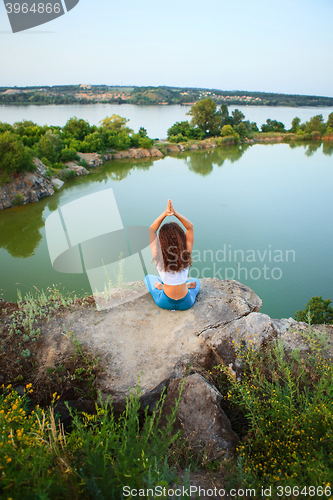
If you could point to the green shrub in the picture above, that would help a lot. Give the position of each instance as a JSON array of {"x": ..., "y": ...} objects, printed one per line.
[
  {"x": 18, "y": 200},
  {"x": 14, "y": 157},
  {"x": 99, "y": 456},
  {"x": 287, "y": 407},
  {"x": 68, "y": 154},
  {"x": 66, "y": 174},
  {"x": 145, "y": 142},
  {"x": 319, "y": 311},
  {"x": 31, "y": 447},
  {"x": 175, "y": 139},
  {"x": 111, "y": 453}
]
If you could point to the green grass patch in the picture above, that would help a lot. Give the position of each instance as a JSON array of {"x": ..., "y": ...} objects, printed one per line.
[{"x": 286, "y": 404}]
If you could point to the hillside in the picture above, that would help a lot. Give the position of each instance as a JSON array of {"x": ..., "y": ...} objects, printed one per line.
[{"x": 91, "y": 94}]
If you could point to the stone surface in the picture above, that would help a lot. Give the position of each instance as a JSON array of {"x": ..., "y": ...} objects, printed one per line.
[
  {"x": 201, "y": 417},
  {"x": 253, "y": 329},
  {"x": 78, "y": 169},
  {"x": 25, "y": 188},
  {"x": 139, "y": 336},
  {"x": 92, "y": 159},
  {"x": 57, "y": 183}
]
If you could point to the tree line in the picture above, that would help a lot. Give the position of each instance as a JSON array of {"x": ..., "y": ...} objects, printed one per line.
[
  {"x": 66, "y": 94},
  {"x": 209, "y": 121},
  {"x": 54, "y": 146}
]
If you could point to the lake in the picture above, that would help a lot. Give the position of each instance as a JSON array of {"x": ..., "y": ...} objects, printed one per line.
[
  {"x": 262, "y": 215},
  {"x": 156, "y": 119}
]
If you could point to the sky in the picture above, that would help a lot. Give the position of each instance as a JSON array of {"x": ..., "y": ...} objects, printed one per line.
[{"x": 283, "y": 46}]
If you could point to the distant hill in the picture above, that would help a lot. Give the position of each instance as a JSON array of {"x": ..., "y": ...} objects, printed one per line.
[{"x": 90, "y": 94}]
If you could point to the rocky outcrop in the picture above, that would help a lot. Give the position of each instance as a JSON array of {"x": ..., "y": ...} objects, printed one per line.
[
  {"x": 139, "y": 337},
  {"x": 137, "y": 153},
  {"x": 25, "y": 187},
  {"x": 73, "y": 167},
  {"x": 57, "y": 183},
  {"x": 137, "y": 340},
  {"x": 92, "y": 159},
  {"x": 200, "y": 416}
]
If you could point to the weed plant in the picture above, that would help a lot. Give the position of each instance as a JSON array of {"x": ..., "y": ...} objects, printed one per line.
[
  {"x": 34, "y": 307},
  {"x": 287, "y": 402},
  {"x": 96, "y": 460}
]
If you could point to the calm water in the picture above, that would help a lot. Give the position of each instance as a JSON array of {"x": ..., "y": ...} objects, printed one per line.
[
  {"x": 262, "y": 215},
  {"x": 156, "y": 119}
]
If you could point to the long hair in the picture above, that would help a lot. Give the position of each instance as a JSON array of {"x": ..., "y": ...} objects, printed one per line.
[{"x": 172, "y": 255}]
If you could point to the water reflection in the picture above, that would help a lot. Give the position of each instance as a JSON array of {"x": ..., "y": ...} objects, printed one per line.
[
  {"x": 202, "y": 162},
  {"x": 328, "y": 148},
  {"x": 20, "y": 229},
  {"x": 311, "y": 147}
]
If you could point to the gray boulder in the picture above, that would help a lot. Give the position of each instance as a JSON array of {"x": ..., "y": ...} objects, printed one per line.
[
  {"x": 138, "y": 336},
  {"x": 200, "y": 416}
]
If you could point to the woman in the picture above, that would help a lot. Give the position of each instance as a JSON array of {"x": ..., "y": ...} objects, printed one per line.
[{"x": 172, "y": 253}]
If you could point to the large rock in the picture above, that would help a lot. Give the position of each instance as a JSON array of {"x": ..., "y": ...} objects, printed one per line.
[
  {"x": 138, "y": 336},
  {"x": 57, "y": 183},
  {"x": 254, "y": 329},
  {"x": 25, "y": 188},
  {"x": 257, "y": 331},
  {"x": 92, "y": 159},
  {"x": 200, "y": 416}
]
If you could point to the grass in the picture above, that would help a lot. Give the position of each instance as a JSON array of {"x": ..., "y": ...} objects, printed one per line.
[
  {"x": 21, "y": 338},
  {"x": 281, "y": 407},
  {"x": 97, "y": 459},
  {"x": 284, "y": 402}
]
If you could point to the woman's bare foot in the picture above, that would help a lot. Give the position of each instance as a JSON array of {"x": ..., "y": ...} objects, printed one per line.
[
  {"x": 158, "y": 285},
  {"x": 191, "y": 284}
]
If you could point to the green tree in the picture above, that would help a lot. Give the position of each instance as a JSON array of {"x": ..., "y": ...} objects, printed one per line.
[
  {"x": 319, "y": 309},
  {"x": 227, "y": 130},
  {"x": 205, "y": 117},
  {"x": 76, "y": 128},
  {"x": 141, "y": 140},
  {"x": 315, "y": 124},
  {"x": 14, "y": 157},
  {"x": 145, "y": 143},
  {"x": 295, "y": 124},
  {"x": 116, "y": 123},
  {"x": 329, "y": 122},
  {"x": 5, "y": 127},
  {"x": 272, "y": 126},
  {"x": 226, "y": 119},
  {"x": 50, "y": 146},
  {"x": 237, "y": 116},
  {"x": 29, "y": 132},
  {"x": 185, "y": 129},
  {"x": 68, "y": 154},
  {"x": 93, "y": 143},
  {"x": 241, "y": 129}
]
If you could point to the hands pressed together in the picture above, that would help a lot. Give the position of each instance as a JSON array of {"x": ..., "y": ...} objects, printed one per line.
[{"x": 169, "y": 210}]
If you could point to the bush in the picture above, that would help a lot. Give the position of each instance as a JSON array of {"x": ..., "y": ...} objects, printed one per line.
[
  {"x": 68, "y": 154},
  {"x": 95, "y": 460},
  {"x": 185, "y": 129},
  {"x": 49, "y": 146},
  {"x": 287, "y": 406},
  {"x": 58, "y": 166},
  {"x": 227, "y": 130},
  {"x": 175, "y": 139},
  {"x": 14, "y": 157},
  {"x": 319, "y": 311},
  {"x": 66, "y": 174},
  {"x": 145, "y": 142}
]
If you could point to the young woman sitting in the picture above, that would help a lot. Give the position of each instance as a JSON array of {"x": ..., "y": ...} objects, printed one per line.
[{"x": 171, "y": 251}]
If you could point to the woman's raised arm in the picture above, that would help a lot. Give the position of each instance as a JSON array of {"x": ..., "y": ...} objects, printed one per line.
[
  {"x": 188, "y": 226},
  {"x": 153, "y": 241}
]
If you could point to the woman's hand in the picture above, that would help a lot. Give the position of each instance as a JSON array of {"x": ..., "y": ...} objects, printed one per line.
[{"x": 169, "y": 210}]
